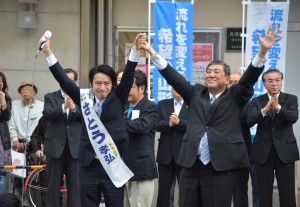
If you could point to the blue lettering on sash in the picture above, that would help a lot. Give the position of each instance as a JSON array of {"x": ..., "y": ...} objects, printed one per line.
[
  {"x": 109, "y": 158},
  {"x": 86, "y": 109},
  {"x": 104, "y": 149}
]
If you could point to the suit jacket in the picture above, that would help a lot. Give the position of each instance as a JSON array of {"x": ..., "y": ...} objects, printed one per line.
[
  {"x": 139, "y": 155},
  {"x": 37, "y": 139},
  {"x": 221, "y": 120},
  {"x": 274, "y": 129},
  {"x": 60, "y": 127},
  {"x": 170, "y": 137},
  {"x": 112, "y": 110}
]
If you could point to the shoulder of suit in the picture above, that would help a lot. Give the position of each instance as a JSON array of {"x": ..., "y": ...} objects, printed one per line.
[{"x": 166, "y": 101}]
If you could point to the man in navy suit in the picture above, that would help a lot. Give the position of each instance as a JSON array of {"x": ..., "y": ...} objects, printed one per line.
[
  {"x": 61, "y": 144},
  {"x": 275, "y": 147},
  {"x": 213, "y": 146},
  {"x": 140, "y": 121},
  {"x": 172, "y": 124},
  {"x": 92, "y": 177}
]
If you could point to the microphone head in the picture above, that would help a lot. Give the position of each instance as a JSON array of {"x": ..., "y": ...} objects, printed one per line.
[
  {"x": 48, "y": 34},
  {"x": 43, "y": 39}
]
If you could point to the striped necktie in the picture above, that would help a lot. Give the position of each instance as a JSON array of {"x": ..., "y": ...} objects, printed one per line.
[{"x": 204, "y": 151}]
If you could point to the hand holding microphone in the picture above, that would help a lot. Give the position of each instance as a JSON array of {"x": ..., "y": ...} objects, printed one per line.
[{"x": 42, "y": 42}]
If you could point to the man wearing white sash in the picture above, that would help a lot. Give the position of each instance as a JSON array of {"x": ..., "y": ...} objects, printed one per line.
[{"x": 102, "y": 140}]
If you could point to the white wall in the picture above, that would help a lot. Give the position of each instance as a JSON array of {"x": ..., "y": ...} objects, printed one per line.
[{"x": 18, "y": 45}]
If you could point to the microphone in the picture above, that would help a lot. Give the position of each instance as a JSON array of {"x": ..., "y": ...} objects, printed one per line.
[
  {"x": 1, "y": 86},
  {"x": 43, "y": 39}
]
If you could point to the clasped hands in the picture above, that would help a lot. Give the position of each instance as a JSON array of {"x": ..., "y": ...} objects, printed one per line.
[
  {"x": 272, "y": 104},
  {"x": 174, "y": 119},
  {"x": 69, "y": 104}
]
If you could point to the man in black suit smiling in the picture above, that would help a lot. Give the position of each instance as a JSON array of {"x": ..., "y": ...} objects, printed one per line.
[{"x": 213, "y": 146}]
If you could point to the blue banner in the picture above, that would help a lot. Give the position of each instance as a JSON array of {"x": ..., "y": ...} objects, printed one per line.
[{"x": 173, "y": 40}]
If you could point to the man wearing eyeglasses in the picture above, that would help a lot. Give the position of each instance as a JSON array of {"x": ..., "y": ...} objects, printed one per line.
[{"x": 275, "y": 146}]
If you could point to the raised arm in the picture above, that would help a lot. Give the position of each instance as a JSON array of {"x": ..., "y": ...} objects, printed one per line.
[
  {"x": 59, "y": 74},
  {"x": 173, "y": 77}
]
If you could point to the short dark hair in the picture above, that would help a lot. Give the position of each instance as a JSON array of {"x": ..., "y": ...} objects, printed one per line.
[
  {"x": 4, "y": 86},
  {"x": 105, "y": 69},
  {"x": 70, "y": 70},
  {"x": 140, "y": 80},
  {"x": 219, "y": 62},
  {"x": 271, "y": 71}
]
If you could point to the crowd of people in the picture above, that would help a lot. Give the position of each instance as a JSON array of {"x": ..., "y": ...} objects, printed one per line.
[{"x": 205, "y": 143}]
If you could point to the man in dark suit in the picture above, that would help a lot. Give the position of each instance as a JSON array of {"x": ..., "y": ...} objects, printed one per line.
[
  {"x": 92, "y": 177},
  {"x": 213, "y": 146},
  {"x": 172, "y": 124},
  {"x": 275, "y": 146},
  {"x": 140, "y": 121},
  {"x": 62, "y": 144}
]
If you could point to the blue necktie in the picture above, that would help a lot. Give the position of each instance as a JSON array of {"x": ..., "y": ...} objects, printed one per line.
[
  {"x": 99, "y": 108},
  {"x": 130, "y": 108},
  {"x": 204, "y": 151}
]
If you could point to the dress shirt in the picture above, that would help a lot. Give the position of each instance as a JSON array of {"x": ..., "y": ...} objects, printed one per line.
[{"x": 177, "y": 106}]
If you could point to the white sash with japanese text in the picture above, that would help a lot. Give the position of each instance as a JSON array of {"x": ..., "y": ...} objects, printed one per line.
[{"x": 102, "y": 143}]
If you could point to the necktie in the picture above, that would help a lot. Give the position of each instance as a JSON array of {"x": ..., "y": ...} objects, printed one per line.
[
  {"x": 272, "y": 113},
  {"x": 99, "y": 108},
  {"x": 204, "y": 151},
  {"x": 67, "y": 110},
  {"x": 212, "y": 99},
  {"x": 130, "y": 108}
]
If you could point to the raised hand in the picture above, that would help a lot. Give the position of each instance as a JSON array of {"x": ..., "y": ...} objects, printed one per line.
[
  {"x": 46, "y": 49},
  {"x": 144, "y": 45},
  {"x": 136, "y": 41},
  {"x": 271, "y": 37}
]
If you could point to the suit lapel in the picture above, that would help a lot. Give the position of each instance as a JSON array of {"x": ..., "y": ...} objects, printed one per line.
[
  {"x": 183, "y": 110},
  {"x": 60, "y": 100},
  {"x": 206, "y": 103},
  {"x": 214, "y": 106},
  {"x": 282, "y": 98}
]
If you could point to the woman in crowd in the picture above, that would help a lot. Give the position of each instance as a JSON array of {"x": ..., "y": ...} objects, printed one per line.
[{"x": 5, "y": 144}]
